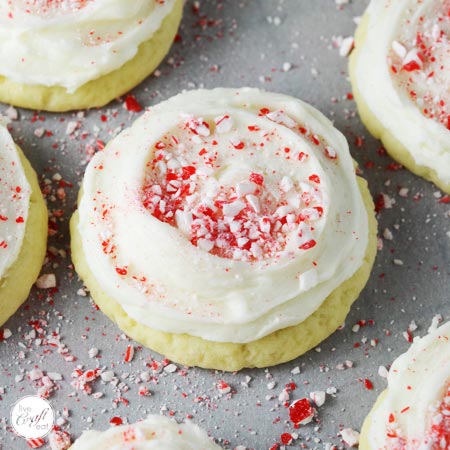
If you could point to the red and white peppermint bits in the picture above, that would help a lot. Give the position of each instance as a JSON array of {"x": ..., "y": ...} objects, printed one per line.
[
  {"x": 413, "y": 61},
  {"x": 223, "y": 387},
  {"x": 129, "y": 354},
  {"x": 35, "y": 442},
  {"x": 440, "y": 430},
  {"x": 301, "y": 412},
  {"x": 59, "y": 440},
  {"x": 419, "y": 63},
  {"x": 198, "y": 127},
  {"x": 250, "y": 216}
]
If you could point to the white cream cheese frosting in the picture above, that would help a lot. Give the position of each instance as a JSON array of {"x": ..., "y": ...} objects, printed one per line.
[
  {"x": 155, "y": 432},
  {"x": 70, "y": 42},
  {"x": 224, "y": 214},
  {"x": 414, "y": 413},
  {"x": 15, "y": 195},
  {"x": 402, "y": 73}
]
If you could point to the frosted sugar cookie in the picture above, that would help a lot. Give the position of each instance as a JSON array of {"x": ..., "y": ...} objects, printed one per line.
[
  {"x": 71, "y": 54},
  {"x": 23, "y": 226},
  {"x": 413, "y": 413},
  {"x": 400, "y": 76},
  {"x": 225, "y": 229},
  {"x": 156, "y": 432}
]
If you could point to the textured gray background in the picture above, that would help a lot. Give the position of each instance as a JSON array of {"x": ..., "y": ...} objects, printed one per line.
[{"x": 233, "y": 43}]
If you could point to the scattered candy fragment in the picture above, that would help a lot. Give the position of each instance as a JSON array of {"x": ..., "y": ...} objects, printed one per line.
[
  {"x": 301, "y": 412},
  {"x": 350, "y": 437}
]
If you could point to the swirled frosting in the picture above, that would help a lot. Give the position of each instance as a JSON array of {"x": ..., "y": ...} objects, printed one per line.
[
  {"x": 402, "y": 72},
  {"x": 225, "y": 214},
  {"x": 70, "y": 42},
  {"x": 15, "y": 195},
  {"x": 155, "y": 432},
  {"x": 414, "y": 414}
]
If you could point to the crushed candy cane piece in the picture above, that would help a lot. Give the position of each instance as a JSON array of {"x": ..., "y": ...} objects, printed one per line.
[
  {"x": 35, "y": 442},
  {"x": 223, "y": 387},
  {"x": 301, "y": 412},
  {"x": 129, "y": 354},
  {"x": 318, "y": 397},
  {"x": 350, "y": 437},
  {"x": 59, "y": 440}
]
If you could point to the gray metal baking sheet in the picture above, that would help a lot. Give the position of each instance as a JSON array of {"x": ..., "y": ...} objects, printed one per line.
[{"x": 289, "y": 46}]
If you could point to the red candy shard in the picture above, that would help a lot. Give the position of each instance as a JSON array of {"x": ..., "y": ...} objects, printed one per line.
[
  {"x": 116, "y": 421},
  {"x": 315, "y": 139},
  {"x": 256, "y": 178},
  {"x": 129, "y": 354},
  {"x": 187, "y": 172},
  {"x": 301, "y": 412},
  {"x": 411, "y": 66},
  {"x": 302, "y": 156},
  {"x": 239, "y": 146},
  {"x": 121, "y": 270},
  {"x": 440, "y": 431},
  {"x": 286, "y": 438},
  {"x": 314, "y": 178},
  {"x": 307, "y": 245},
  {"x": 131, "y": 104},
  {"x": 35, "y": 442}
]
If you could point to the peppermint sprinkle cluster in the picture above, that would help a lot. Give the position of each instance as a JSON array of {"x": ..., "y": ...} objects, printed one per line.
[{"x": 252, "y": 218}]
